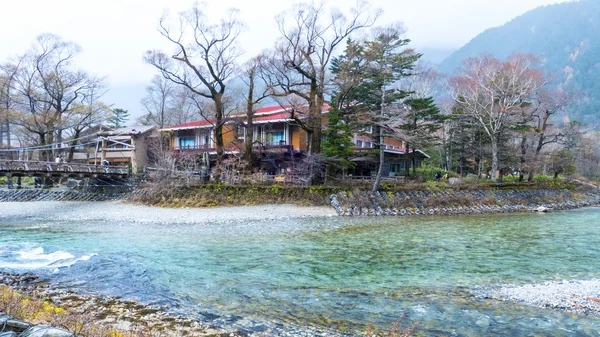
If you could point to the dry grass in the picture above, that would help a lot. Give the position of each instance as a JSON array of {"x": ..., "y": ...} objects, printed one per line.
[{"x": 37, "y": 311}]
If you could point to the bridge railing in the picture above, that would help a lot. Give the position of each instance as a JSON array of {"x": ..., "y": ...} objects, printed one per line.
[{"x": 53, "y": 167}]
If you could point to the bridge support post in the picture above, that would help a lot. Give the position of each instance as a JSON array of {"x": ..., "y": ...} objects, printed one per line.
[
  {"x": 19, "y": 182},
  {"x": 86, "y": 183},
  {"x": 9, "y": 181}
]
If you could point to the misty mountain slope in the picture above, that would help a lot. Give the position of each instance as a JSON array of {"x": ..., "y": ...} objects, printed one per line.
[{"x": 566, "y": 38}]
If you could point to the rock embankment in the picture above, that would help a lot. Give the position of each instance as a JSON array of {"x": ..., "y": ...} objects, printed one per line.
[
  {"x": 57, "y": 195},
  {"x": 452, "y": 202}
]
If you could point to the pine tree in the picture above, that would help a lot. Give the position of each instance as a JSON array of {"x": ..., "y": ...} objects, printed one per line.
[
  {"x": 385, "y": 61},
  {"x": 421, "y": 120},
  {"x": 337, "y": 147},
  {"x": 118, "y": 118}
]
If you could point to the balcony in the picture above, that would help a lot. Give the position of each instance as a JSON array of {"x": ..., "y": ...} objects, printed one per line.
[
  {"x": 279, "y": 146},
  {"x": 194, "y": 148}
]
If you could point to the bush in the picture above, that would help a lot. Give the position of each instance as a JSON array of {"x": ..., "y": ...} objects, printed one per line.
[{"x": 427, "y": 173}]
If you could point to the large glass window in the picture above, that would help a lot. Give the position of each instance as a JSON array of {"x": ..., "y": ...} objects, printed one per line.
[
  {"x": 187, "y": 142},
  {"x": 396, "y": 168},
  {"x": 275, "y": 138}
]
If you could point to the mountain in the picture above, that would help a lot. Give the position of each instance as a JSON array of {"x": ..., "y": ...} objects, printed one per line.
[
  {"x": 565, "y": 37},
  {"x": 434, "y": 55}
]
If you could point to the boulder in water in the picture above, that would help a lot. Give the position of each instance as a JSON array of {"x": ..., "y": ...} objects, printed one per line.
[{"x": 542, "y": 209}]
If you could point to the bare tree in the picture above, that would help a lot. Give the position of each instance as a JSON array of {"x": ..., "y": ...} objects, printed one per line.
[
  {"x": 256, "y": 93},
  {"x": 550, "y": 102},
  {"x": 158, "y": 100},
  {"x": 310, "y": 35},
  {"x": 90, "y": 112},
  {"x": 203, "y": 60},
  {"x": 63, "y": 85},
  {"x": 493, "y": 92},
  {"x": 48, "y": 88},
  {"x": 7, "y": 75}
]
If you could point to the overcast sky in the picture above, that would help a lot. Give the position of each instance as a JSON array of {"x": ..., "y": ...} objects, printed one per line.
[{"x": 115, "y": 34}]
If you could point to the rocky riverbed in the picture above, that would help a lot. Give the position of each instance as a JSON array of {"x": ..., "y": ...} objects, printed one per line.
[
  {"x": 575, "y": 296},
  {"x": 126, "y": 315}
]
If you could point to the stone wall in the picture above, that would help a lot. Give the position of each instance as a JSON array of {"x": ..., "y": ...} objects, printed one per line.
[
  {"x": 59, "y": 195},
  {"x": 448, "y": 202}
]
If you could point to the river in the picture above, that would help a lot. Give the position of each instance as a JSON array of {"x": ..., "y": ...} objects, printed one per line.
[{"x": 282, "y": 266}]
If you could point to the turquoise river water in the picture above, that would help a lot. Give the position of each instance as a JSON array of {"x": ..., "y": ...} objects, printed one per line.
[{"x": 334, "y": 272}]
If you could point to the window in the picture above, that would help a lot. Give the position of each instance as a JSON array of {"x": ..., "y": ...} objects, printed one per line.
[
  {"x": 359, "y": 143},
  {"x": 368, "y": 144},
  {"x": 367, "y": 129},
  {"x": 396, "y": 168},
  {"x": 241, "y": 131},
  {"x": 187, "y": 142},
  {"x": 275, "y": 138}
]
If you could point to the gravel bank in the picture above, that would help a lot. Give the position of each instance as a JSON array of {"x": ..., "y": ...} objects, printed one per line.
[
  {"x": 120, "y": 210},
  {"x": 576, "y": 296}
]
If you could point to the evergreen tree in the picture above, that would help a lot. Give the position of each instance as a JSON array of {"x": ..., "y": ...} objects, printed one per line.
[
  {"x": 385, "y": 61},
  {"x": 118, "y": 118},
  {"x": 422, "y": 118},
  {"x": 337, "y": 147}
]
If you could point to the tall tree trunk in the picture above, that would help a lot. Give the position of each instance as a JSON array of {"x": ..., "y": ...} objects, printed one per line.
[
  {"x": 249, "y": 136},
  {"x": 377, "y": 182},
  {"x": 72, "y": 148},
  {"x": 494, "y": 173},
  {"x": 8, "y": 133},
  {"x": 522, "y": 159},
  {"x": 538, "y": 149},
  {"x": 406, "y": 160},
  {"x": 219, "y": 121}
]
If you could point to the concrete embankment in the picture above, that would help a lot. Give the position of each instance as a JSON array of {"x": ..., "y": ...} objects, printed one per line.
[
  {"x": 7, "y": 195},
  {"x": 450, "y": 201}
]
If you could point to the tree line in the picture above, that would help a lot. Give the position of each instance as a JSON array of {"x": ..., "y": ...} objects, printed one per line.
[
  {"x": 494, "y": 118},
  {"x": 47, "y": 102}
]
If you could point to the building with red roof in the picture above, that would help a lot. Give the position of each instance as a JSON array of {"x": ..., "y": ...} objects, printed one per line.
[{"x": 275, "y": 132}]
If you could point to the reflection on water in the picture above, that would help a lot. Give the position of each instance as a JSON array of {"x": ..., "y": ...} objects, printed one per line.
[{"x": 335, "y": 272}]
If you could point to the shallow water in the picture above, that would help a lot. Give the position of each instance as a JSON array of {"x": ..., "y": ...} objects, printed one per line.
[{"x": 328, "y": 271}]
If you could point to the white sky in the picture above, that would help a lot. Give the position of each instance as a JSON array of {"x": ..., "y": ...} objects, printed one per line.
[{"x": 115, "y": 34}]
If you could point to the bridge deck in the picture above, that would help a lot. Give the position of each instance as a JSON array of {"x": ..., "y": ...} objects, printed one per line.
[{"x": 22, "y": 168}]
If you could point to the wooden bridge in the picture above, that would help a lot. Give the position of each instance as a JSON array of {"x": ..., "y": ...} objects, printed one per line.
[{"x": 21, "y": 168}]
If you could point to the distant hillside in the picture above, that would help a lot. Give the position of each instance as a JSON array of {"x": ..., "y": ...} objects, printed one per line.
[{"x": 565, "y": 36}]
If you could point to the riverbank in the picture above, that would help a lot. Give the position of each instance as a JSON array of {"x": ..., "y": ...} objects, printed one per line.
[
  {"x": 123, "y": 210},
  {"x": 580, "y": 297},
  {"x": 38, "y": 302},
  {"x": 29, "y": 298},
  {"x": 459, "y": 201}
]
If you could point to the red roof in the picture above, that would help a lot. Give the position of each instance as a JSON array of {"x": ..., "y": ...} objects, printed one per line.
[
  {"x": 264, "y": 114},
  {"x": 193, "y": 125}
]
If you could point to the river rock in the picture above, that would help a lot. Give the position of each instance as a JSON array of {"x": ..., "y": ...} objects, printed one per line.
[
  {"x": 15, "y": 325},
  {"x": 45, "y": 331},
  {"x": 542, "y": 209}
]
